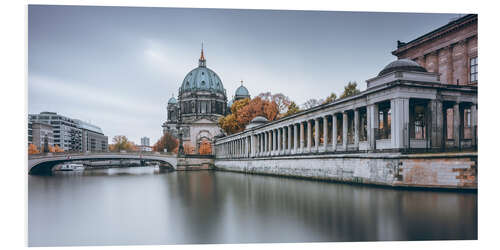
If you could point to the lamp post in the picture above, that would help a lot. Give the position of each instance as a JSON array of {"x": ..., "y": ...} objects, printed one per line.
[{"x": 180, "y": 151}]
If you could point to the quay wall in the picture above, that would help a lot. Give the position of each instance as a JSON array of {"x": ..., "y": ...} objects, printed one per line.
[
  {"x": 195, "y": 162},
  {"x": 443, "y": 170}
]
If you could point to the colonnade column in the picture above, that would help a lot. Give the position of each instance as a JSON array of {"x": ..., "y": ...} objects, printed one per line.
[
  {"x": 373, "y": 125},
  {"x": 301, "y": 126},
  {"x": 289, "y": 144},
  {"x": 400, "y": 118},
  {"x": 325, "y": 133},
  {"x": 344, "y": 130},
  {"x": 316, "y": 134},
  {"x": 334, "y": 132},
  {"x": 356, "y": 128},
  {"x": 309, "y": 135}
]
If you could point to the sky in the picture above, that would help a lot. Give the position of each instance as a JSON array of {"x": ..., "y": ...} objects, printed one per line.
[{"x": 116, "y": 67}]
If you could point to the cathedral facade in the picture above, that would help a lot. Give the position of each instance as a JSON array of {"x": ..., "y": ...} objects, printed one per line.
[{"x": 201, "y": 101}]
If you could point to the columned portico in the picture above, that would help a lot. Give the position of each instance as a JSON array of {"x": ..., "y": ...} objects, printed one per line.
[{"x": 400, "y": 114}]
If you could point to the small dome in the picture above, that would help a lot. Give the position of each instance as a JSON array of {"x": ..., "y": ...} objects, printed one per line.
[
  {"x": 403, "y": 65},
  {"x": 242, "y": 91},
  {"x": 257, "y": 121},
  {"x": 172, "y": 100}
]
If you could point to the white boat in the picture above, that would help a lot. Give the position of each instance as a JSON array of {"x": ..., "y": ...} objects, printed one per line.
[{"x": 71, "y": 167}]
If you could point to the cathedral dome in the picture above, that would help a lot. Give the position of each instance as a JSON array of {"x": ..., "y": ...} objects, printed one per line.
[
  {"x": 402, "y": 65},
  {"x": 202, "y": 78}
]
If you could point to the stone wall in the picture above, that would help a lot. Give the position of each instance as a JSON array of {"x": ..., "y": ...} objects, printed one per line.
[
  {"x": 194, "y": 162},
  {"x": 392, "y": 169}
]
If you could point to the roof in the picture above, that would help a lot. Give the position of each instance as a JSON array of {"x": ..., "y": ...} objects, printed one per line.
[
  {"x": 402, "y": 46},
  {"x": 242, "y": 91},
  {"x": 402, "y": 64}
]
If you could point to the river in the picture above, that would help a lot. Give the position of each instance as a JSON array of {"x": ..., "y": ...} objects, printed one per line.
[{"x": 141, "y": 205}]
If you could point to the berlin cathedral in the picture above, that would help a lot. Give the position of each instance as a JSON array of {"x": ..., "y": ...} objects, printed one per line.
[{"x": 201, "y": 102}]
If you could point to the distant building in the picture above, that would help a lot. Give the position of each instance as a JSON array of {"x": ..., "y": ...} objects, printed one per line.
[
  {"x": 41, "y": 132},
  {"x": 71, "y": 135},
  {"x": 93, "y": 139},
  {"x": 145, "y": 141},
  {"x": 450, "y": 50},
  {"x": 144, "y": 148}
]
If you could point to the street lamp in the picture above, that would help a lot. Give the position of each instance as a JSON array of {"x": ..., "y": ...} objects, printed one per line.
[{"x": 180, "y": 151}]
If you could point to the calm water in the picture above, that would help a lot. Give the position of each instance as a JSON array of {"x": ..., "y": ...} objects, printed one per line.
[{"x": 144, "y": 206}]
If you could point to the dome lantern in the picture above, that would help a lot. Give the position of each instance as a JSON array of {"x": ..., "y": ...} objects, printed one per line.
[{"x": 202, "y": 62}]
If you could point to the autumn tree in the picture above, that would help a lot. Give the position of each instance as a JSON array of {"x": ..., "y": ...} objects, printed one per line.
[
  {"x": 32, "y": 149},
  {"x": 205, "y": 148},
  {"x": 350, "y": 89},
  {"x": 243, "y": 111},
  {"x": 168, "y": 142},
  {"x": 292, "y": 109},
  {"x": 57, "y": 149},
  {"x": 120, "y": 142},
  {"x": 331, "y": 98}
]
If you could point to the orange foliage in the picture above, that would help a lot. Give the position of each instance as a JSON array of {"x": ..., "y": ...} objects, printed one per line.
[
  {"x": 32, "y": 149},
  {"x": 205, "y": 148},
  {"x": 243, "y": 111},
  {"x": 167, "y": 141},
  {"x": 55, "y": 149}
]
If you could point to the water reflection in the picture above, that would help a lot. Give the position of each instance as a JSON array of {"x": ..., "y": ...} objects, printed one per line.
[{"x": 145, "y": 206}]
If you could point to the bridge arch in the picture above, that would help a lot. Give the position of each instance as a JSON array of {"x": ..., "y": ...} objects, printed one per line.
[{"x": 41, "y": 164}]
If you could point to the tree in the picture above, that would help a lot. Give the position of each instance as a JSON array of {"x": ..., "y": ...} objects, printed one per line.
[
  {"x": 282, "y": 101},
  {"x": 57, "y": 149},
  {"x": 292, "y": 109},
  {"x": 331, "y": 98},
  {"x": 311, "y": 103},
  {"x": 350, "y": 89},
  {"x": 120, "y": 142},
  {"x": 32, "y": 149},
  {"x": 168, "y": 142},
  {"x": 205, "y": 148},
  {"x": 243, "y": 111}
]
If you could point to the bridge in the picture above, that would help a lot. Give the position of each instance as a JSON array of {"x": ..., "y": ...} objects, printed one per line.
[{"x": 43, "y": 163}]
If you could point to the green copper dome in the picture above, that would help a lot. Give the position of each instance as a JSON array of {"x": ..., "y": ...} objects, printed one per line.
[
  {"x": 202, "y": 78},
  {"x": 241, "y": 91},
  {"x": 172, "y": 100}
]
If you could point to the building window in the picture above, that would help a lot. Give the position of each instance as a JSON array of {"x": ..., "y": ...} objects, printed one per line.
[{"x": 473, "y": 69}]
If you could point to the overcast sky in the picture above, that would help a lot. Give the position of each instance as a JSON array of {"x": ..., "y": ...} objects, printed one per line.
[{"x": 117, "y": 66}]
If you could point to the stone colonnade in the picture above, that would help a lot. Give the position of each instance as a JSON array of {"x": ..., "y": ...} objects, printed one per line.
[{"x": 378, "y": 126}]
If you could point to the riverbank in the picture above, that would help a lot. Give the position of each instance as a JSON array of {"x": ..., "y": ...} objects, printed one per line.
[{"x": 441, "y": 171}]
